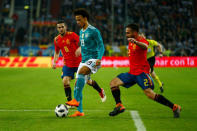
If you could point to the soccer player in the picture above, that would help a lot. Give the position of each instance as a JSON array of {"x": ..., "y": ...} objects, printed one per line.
[
  {"x": 151, "y": 60},
  {"x": 139, "y": 73},
  {"x": 92, "y": 50},
  {"x": 68, "y": 42}
]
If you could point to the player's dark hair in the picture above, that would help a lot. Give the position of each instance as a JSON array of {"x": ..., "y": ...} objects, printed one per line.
[
  {"x": 134, "y": 27},
  {"x": 61, "y": 21},
  {"x": 82, "y": 11}
]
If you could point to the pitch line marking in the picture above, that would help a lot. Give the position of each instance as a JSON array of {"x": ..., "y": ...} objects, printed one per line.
[
  {"x": 137, "y": 120},
  {"x": 26, "y": 110},
  {"x": 41, "y": 110},
  {"x": 134, "y": 115}
]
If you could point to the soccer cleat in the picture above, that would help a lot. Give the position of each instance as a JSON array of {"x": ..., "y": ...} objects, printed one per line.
[
  {"x": 77, "y": 113},
  {"x": 73, "y": 102},
  {"x": 102, "y": 95},
  {"x": 117, "y": 110},
  {"x": 176, "y": 110},
  {"x": 161, "y": 88}
]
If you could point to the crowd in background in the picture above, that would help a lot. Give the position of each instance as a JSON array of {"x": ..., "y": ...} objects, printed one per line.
[
  {"x": 166, "y": 21},
  {"x": 6, "y": 33}
]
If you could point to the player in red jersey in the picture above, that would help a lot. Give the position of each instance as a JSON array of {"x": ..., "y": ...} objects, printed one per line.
[
  {"x": 139, "y": 73},
  {"x": 67, "y": 42}
]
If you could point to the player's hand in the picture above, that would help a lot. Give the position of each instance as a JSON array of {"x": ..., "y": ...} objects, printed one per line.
[
  {"x": 54, "y": 66},
  {"x": 98, "y": 62},
  {"x": 78, "y": 52},
  {"x": 132, "y": 40}
]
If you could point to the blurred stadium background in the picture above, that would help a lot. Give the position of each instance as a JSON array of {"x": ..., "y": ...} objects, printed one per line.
[{"x": 28, "y": 27}]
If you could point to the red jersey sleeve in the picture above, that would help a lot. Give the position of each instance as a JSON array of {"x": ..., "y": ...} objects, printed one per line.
[
  {"x": 144, "y": 41},
  {"x": 75, "y": 38},
  {"x": 57, "y": 49}
]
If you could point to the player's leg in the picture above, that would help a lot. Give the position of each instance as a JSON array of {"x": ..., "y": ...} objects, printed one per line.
[
  {"x": 66, "y": 82},
  {"x": 101, "y": 91},
  {"x": 126, "y": 80},
  {"x": 151, "y": 62},
  {"x": 114, "y": 85},
  {"x": 79, "y": 111},
  {"x": 156, "y": 78},
  {"x": 146, "y": 83},
  {"x": 80, "y": 82},
  {"x": 84, "y": 70},
  {"x": 164, "y": 101},
  {"x": 67, "y": 76}
]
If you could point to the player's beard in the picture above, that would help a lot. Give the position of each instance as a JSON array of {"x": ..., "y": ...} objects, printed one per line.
[
  {"x": 62, "y": 33},
  {"x": 131, "y": 36}
]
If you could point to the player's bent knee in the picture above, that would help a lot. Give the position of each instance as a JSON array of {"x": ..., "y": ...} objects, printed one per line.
[
  {"x": 85, "y": 70},
  {"x": 66, "y": 81},
  {"x": 112, "y": 84},
  {"x": 149, "y": 94},
  {"x": 89, "y": 82},
  {"x": 153, "y": 74},
  {"x": 116, "y": 82}
]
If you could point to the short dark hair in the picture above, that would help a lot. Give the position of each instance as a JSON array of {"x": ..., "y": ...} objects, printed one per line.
[
  {"x": 134, "y": 27},
  {"x": 61, "y": 21},
  {"x": 82, "y": 11}
]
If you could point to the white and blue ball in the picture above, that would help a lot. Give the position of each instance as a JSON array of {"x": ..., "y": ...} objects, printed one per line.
[{"x": 61, "y": 110}]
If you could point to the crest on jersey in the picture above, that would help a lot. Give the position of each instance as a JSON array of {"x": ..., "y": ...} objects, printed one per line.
[
  {"x": 68, "y": 41},
  {"x": 82, "y": 35},
  {"x": 86, "y": 35},
  {"x": 134, "y": 46}
]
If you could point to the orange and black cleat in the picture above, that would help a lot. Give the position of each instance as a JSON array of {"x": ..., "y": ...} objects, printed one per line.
[
  {"x": 77, "y": 113},
  {"x": 176, "y": 110},
  {"x": 117, "y": 110},
  {"x": 73, "y": 102}
]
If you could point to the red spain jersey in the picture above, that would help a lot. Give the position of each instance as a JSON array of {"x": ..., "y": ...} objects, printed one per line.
[
  {"x": 68, "y": 44},
  {"x": 137, "y": 58}
]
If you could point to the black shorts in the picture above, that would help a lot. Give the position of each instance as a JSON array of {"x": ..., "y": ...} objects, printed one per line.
[{"x": 151, "y": 62}]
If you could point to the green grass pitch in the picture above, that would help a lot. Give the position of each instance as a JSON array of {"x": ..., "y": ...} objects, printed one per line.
[{"x": 36, "y": 89}]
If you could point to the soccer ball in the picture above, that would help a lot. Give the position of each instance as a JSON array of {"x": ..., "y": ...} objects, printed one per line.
[{"x": 61, "y": 110}]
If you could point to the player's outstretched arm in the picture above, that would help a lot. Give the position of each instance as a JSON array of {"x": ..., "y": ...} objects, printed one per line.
[
  {"x": 56, "y": 56},
  {"x": 160, "y": 49},
  {"x": 142, "y": 45},
  {"x": 78, "y": 52}
]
